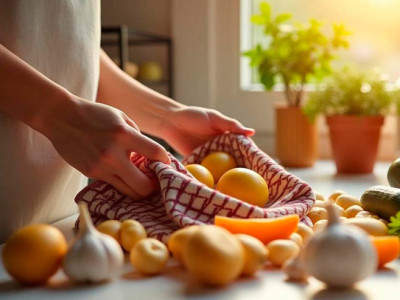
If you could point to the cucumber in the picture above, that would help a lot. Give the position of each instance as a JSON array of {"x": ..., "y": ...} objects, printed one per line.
[
  {"x": 381, "y": 200},
  {"x": 393, "y": 174}
]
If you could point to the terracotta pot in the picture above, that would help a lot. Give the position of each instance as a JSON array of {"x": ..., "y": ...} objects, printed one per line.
[
  {"x": 355, "y": 142},
  {"x": 296, "y": 138}
]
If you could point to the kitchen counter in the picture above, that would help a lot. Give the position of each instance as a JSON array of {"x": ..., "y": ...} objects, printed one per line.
[{"x": 175, "y": 283}]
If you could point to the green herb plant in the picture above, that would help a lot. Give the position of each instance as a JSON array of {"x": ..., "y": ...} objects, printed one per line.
[
  {"x": 394, "y": 225},
  {"x": 350, "y": 91},
  {"x": 296, "y": 52}
]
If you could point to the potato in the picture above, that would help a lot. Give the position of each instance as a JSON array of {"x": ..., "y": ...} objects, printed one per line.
[
  {"x": 345, "y": 201},
  {"x": 353, "y": 210},
  {"x": 255, "y": 254},
  {"x": 319, "y": 196},
  {"x": 131, "y": 232},
  {"x": 281, "y": 250},
  {"x": 295, "y": 237},
  {"x": 305, "y": 231},
  {"x": 317, "y": 213},
  {"x": 320, "y": 203},
  {"x": 336, "y": 194},
  {"x": 363, "y": 214},
  {"x": 177, "y": 241},
  {"x": 369, "y": 225},
  {"x": 320, "y": 225},
  {"x": 340, "y": 211},
  {"x": 149, "y": 256}
]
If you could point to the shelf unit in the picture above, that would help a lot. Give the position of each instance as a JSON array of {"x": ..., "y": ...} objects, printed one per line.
[{"x": 124, "y": 37}]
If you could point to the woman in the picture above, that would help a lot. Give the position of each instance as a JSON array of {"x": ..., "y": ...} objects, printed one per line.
[{"x": 67, "y": 110}]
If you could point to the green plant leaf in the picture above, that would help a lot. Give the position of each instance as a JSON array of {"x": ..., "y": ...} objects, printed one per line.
[
  {"x": 265, "y": 9},
  {"x": 283, "y": 18},
  {"x": 268, "y": 80},
  {"x": 259, "y": 20}
]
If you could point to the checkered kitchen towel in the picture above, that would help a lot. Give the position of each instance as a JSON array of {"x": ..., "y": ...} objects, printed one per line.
[{"x": 183, "y": 201}]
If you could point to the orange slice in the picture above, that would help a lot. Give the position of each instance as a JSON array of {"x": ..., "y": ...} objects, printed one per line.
[{"x": 266, "y": 230}]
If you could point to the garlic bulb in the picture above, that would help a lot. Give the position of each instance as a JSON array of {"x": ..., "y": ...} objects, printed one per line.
[
  {"x": 295, "y": 268},
  {"x": 340, "y": 255},
  {"x": 94, "y": 256}
]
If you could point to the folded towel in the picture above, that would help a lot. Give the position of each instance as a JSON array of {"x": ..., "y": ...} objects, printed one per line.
[{"x": 183, "y": 201}]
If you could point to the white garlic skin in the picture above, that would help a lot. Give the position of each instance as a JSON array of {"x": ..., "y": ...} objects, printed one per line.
[
  {"x": 340, "y": 255},
  {"x": 294, "y": 268},
  {"x": 94, "y": 256}
]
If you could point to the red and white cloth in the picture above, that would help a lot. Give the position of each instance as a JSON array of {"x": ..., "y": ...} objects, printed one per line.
[{"x": 183, "y": 201}]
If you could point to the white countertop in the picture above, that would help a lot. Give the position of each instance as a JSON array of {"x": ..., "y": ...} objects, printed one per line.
[{"x": 176, "y": 283}]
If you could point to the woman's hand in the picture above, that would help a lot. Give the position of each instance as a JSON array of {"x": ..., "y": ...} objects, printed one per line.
[
  {"x": 98, "y": 141},
  {"x": 189, "y": 127}
]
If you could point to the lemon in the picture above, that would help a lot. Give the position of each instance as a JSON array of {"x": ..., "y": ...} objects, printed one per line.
[{"x": 218, "y": 163}]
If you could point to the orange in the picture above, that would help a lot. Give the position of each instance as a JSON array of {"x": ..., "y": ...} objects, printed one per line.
[
  {"x": 218, "y": 163},
  {"x": 214, "y": 256},
  {"x": 246, "y": 185},
  {"x": 266, "y": 230},
  {"x": 34, "y": 253},
  {"x": 201, "y": 174},
  {"x": 111, "y": 228},
  {"x": 387, "y": 248},
  {"x": 177, "y": 241}
]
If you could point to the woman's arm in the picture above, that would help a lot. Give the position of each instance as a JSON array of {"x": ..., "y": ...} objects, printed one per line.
[
  {"x": 94, "y": 138},
  {"x": 183, "y": 127}
]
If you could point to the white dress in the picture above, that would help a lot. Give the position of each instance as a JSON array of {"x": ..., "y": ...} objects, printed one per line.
[{"x": 61, "y": 39}]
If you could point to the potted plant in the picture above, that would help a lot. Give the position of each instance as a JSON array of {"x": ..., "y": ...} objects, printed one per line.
[
  {"x": 295, "y": 55},
  {"x": 354, "y": 103}
]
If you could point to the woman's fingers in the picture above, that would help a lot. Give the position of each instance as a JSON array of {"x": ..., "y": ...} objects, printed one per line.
[
  {"x": 122, "y": 187},
  {"x": 135, "y": 179},
  {"x": 145, "y": 146},
  {"x": 224, "y": 123}
]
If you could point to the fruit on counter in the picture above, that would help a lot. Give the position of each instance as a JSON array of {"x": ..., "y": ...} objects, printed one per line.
[
  {"x": 381, "y": 200},
  {"x": 295, "y": 268},
  {"x": 94, "y": 256},
  {"x": 320, "y": 203},
  {"x": 336, "y": 194},
  {"x": 255, "y": 254},
  {"x": 320, "y": 225},
  {"x": 339, "y": 255},
  {"x": 317, "y": 213},
  {"x": 177, "y": 241},
  {"x": 393, "y": 174},
  {"x": 371, "y": 226},
  {"x": 339, "y": 210},
  {"x": 266, "y": 230},
  {"x": 218, "y": 163},
  {"x": 352, "y": 211},
  {"x": 201, "y": 174},
  {"x": 244, "y": 184},
  {"x": 131, "y": 232},
  {"x": 319, "y": 196},
  {"x": 150, "y": 71},
  {"x": 345, "y": 201},
  {"x": 295, "y": 237},
  {"x": 112, "y": 228},
  {"x": 214, "y": 256},
  {"x": 149, "y": 256},
  {"x": 280, "y": 251},
  {"x": 305, "y": 231},
  {"x": 363, "y": 214},
  {"x": 34, "y": 253},
  {"x": 387, "y": 248}
]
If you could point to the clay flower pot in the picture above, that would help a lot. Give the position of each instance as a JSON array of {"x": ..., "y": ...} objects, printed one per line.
[
  {"x": 296, "y": 138},
  {"x": 355, "y": 141}
]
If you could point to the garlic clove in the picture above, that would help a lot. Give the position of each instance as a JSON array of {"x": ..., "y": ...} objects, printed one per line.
[
  {"x": 94, "y": 256},
  {"x": 339, "y": 255},
  {"x": 295, "y": 268}
]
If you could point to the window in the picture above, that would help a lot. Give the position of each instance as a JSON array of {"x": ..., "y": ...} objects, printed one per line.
[{"x": 375, "y": 27}]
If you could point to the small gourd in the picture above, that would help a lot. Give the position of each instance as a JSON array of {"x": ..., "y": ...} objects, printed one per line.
[
  {"x": 94, "y": 256},
  {"x": 340, "y": 255}
]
